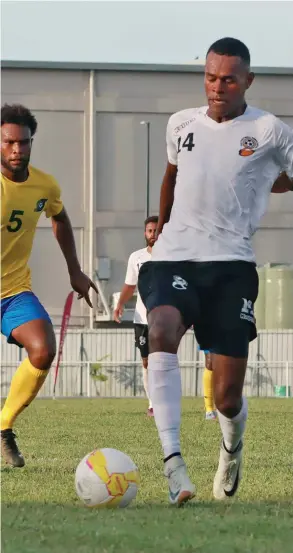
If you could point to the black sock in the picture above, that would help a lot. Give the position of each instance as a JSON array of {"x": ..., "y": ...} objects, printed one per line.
[
  {"x": 234, "y": 450},
  {"x": 177, "y": 454}
]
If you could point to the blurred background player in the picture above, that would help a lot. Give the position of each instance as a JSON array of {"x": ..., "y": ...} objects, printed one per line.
[
  {"x": 210, "y": 409},
  {"x": 27, "y": 192},
  {"x": 135, "y": 261}
]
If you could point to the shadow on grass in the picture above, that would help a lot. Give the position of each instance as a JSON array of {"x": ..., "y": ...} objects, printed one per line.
[
  {"x": 150, "y": 527},
  {"x": 215, "y": 507}
]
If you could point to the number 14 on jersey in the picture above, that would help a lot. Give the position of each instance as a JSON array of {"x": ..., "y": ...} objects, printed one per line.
[{"x": 188, "y": 143}]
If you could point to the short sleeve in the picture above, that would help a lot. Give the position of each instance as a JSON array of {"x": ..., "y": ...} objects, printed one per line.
[
  {"x": 171, "y": 146},
  {"x": 54, "y": 205},
  {"x": 284, "y": 145},
  {"x": 131, "y": 273}
]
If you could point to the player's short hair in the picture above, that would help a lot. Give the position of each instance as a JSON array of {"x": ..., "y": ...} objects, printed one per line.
[
  {"x": 151, "y": 219},
  {"x": 17, "y": 114},
  {"x": 231, "y": 47}
]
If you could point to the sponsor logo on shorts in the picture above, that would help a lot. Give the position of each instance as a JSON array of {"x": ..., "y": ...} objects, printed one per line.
[
  {"x": 142, "y": 340},
  {"x": 247, "y": 312},
  {"x": 179, "y": 283},
  {"x": 248, "y": 146}
]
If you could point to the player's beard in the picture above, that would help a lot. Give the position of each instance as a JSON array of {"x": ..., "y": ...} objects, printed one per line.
[
  {"x": 15, "y": 168},
  {"x": 150, "y": 242}
]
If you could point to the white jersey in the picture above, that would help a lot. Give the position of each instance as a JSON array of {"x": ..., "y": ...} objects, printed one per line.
[
  {"x": 135, "y": 261},
  {"x": 225, "y": 172}
]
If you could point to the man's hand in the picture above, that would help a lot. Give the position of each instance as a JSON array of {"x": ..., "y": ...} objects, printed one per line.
[
  {"x": 118, "y": 312},
  {"x": 81, "y": 283},
  {"x": 282, "y": 184}
]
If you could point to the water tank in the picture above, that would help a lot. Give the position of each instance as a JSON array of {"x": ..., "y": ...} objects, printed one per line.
[
  {"x": 279, "y": 297},
  {"x": 260, "y": 304}
]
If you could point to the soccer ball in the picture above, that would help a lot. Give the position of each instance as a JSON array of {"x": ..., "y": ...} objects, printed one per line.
[{"x": 106, "y": 478}]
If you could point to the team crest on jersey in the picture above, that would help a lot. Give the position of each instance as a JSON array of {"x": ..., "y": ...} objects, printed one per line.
[
  {"x": 40, "y": 204},
  {"x": 248, "y": 146}
]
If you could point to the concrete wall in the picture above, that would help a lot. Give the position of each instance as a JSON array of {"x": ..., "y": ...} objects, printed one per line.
[{"x": 61, "y": 100}]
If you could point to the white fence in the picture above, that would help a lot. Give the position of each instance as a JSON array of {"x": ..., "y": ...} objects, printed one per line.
[{"x": 105, "y": 363}]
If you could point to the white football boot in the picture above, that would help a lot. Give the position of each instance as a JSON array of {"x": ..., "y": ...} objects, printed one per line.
[
  {"x": 229, "y": 473},
  {"x": 181, "y": 488}
]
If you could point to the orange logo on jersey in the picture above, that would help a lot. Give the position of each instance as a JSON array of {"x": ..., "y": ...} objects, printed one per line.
[{"x": 248, "y": 146}]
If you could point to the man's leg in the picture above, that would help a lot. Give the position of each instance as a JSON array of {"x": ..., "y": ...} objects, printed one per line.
[
  {"x": 227, "y": 330},
  {"x": 167, "y": 292},
  {"x": 228, "y": 380},
  {"x": 37, "y": 337},
  {"x": 141, "y": 342},
  {"x": 208, "y": 389},
  {"x": 145, "y": 376},
  {"x": 166, "y": 329}
]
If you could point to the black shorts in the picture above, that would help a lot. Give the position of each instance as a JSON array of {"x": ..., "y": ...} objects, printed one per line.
[
  {"x": 217, "y": 297},
  {"x": 142, "y": 339}
]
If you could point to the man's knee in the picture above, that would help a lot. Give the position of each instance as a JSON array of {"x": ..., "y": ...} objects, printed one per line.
[
  {"x": 165, "y": 329},
  {"x": 228, "y": 401},
  {"x": 208, "y": 362},
  {"x": 42, "y": 355},
  {"x": 42, "y": 350},
  {"x": 228, "y": 380}
]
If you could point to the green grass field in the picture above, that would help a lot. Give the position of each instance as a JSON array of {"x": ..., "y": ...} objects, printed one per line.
[{"x": 42, "y": 514}]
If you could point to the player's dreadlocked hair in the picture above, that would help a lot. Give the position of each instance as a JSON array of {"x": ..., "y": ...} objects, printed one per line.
[
  {"x": 17, "y": 114},
  {"x": 231, "y": 47},
  {"x": 151, "y": 219}
]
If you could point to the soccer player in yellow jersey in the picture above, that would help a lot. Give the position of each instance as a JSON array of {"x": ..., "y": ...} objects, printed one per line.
[{"x": 27, "y": 192}]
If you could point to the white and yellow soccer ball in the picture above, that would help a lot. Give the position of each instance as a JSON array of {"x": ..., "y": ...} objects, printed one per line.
[{"x": 106, "y": 478}]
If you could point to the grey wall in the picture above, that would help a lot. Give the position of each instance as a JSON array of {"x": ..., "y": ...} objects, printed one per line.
[{"x": 60, "y": 99}]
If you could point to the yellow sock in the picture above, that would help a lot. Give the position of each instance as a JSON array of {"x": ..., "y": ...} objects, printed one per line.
[
  {"x": 25, "y": 384},
  {"x": 208, "y": 390}
]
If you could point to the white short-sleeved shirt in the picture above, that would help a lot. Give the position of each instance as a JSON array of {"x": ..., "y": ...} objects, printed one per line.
[
  {"x": 225, "y": 172},
  {"x": 135, "y": 261}
]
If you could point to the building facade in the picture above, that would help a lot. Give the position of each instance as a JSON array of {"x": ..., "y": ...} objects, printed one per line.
[{"x": 90, "y": 137}]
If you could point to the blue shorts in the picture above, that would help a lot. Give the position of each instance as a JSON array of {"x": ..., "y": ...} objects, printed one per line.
[
  {"x": 18, "y": 310},
  {"x": 206, "y": 351}
]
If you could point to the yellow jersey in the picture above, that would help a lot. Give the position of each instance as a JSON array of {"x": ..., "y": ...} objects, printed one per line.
[{"x": 22, "y": 204}]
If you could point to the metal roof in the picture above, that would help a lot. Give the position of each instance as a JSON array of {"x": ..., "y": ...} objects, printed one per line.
[{"x": 165, "y": 68}]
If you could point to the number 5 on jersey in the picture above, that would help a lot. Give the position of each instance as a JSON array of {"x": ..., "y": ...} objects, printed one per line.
[
  {"x": 188, "y": 143},
  {"x": 15, "y": 220}
]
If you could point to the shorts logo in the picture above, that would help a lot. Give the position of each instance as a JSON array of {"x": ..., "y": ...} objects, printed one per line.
[
  {"x": 142, "y": 340},
  {"x": 247, "y": 312},
  {"x": 248, "y": 146},
  {"x": 179, "y": 283},
  {"x": 40, "y": 205}
]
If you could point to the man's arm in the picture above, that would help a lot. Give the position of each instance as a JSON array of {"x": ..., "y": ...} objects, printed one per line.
[
  {"x": 284, "y": 152},
  {"x": 64, "y": 234},
  {"x": 282, "y": 184},
  {"x": 125, "y": 295},
  {"x": 167, "y": 196},
  {"x": 128, "y": 287},
  {"x": 169, "y": 180}
]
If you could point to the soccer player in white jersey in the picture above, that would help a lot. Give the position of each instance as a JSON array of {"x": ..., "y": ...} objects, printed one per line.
[
  {"x": 223, "y": 160},
  {"x": 135, "y": 261}
]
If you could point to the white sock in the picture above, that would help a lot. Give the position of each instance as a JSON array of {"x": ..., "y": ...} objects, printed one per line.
[
  {"x": 145, "y": 377},
  {"x": 165, "y": 393},
  {"x": 233, "y": 429}
]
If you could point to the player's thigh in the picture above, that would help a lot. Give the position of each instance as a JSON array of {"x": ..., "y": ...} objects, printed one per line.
[
  {"x": 168, "y": 284},
  {"x": 142, "y": 339},
  {"x": 233, "y": 330},
  {"x": 232, "y": 312},
  {"x": 167, "y": 292},
  {"x": 27, "y": 324}
]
